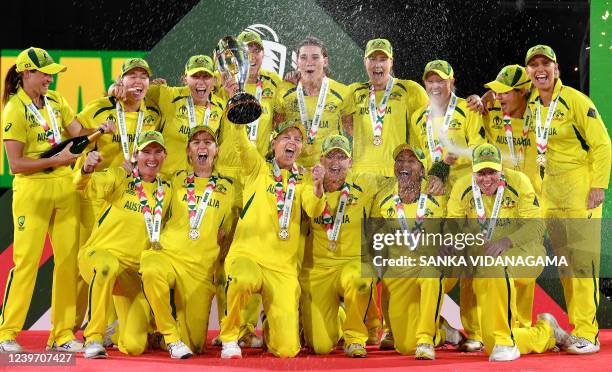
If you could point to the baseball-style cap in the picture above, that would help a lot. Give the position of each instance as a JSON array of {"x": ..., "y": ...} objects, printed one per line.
[
  {"x": 248, "y": 37},
  {"x": 418, "y": 153},
  {"x": 202, "y": 128},
  {"x": 289, "y": 124},
  {"x": 540, "y": 50},
  {"x": 336, "y": 141},
  {"x": 38, "y": 59},
  {"x": 149, "y": 137},
  {"x": 441, "y": 68},
  {"x": 379, "y": 45},
  {"x": 199, "y": 63},
  {"x": 132, "y": 63},
  {"x": 486, "y": 156},
  {"x": 509, "y": 78}
]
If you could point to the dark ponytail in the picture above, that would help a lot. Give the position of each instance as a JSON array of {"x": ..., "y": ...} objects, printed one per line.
[{"x": 11, "y": 82}]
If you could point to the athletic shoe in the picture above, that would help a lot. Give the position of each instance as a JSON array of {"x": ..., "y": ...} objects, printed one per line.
[
  {"x": 10, "y": 347},
  {"x": 425, "y": 352},
  {"x": 72, "y": 346},
  {"x": 561, "y": 337},
  {"x": 251, "y": 341},
  {"x": 453, "y": 336},
  {"x": 178, "y": 350},
  {"x": 579, "y": 345},
  {"x": 355, "y": 351},
  {"x": 216, "y": 341},
  {"x": 231, "y": 350},
  {"x": 94, "y": 350},
  {"x": 387, "y": 342},
  {"x": 503, "y": 353},
  {"x": 108, "y": 335},
  {"x": 471, "y": 345},
  {"x": 373, "y": 336}
]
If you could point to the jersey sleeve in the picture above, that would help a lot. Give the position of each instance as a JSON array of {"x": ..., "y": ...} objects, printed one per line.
[
  {"x": 474, "y": 129},
  {"x": 416, "y": 98},
  {"x": 14, "y": 125},
  {"x": 154, "y": 93},
  {"x": 311, "y": 204},
  {"x": 66, "y": 112},
  {"x": 85, "y": 117},
  {"x": 251, "y": 160},
  {"x": 99, "y": 185},
  {"x": 457, "y": 206},
  {"x": 592, "y": 128}
]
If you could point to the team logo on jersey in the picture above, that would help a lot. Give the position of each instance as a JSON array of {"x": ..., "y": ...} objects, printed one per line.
[
  {"x": 390, "y": 212},
  {"x": 454, "y": 125},
  {"x": 182, "y": 112},
  {"x": 111, "y": 117},
  {"x": 428, "y": 212},
  {"x": 507, "y": 202},
  {"x": 352, "y": 199},
  {"x": 275, "y": 53},
  {"x": 395, "y": 96},
  {"x": 361, "y": 99},
  {"x": 498, "y": 123},
  {"x": 7, "y": 127},
  {"x": 31, "y": 118},
  {"x": 558, "y": 115},
  {"x": 214, "y": 115},
  {"x": 267, "y": 93},
  {"x": 148, "y": 120},
  {"x": 331, "y": 107},
  {"x": 21, "y": 223},
  {"x": 221, "y": 189}
]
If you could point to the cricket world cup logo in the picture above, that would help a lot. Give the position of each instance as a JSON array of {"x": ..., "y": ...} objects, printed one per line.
[{"x": 275, "y": 53}]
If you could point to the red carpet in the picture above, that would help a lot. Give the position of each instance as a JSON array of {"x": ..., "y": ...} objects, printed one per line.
[{"x": 447, "y": 360}]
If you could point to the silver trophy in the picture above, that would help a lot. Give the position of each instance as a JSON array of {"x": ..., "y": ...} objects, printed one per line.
[{"x": 232, "y": 57}]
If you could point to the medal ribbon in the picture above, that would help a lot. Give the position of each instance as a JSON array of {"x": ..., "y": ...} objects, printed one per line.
[
  {"x": 332, "y": 226},
  {"x": 254, "y": 126},
  {"x": 312, "y": 126},
  {"x": 480, "y": 209},
  {"x": 377, "y": 113},
  {"x": 192, "y": 113},
  {"x": 53, "y": 134},
  {"x": 196, "y": 216},
  {"x": 284, "y": 200},
  {"x": 542, "y": 132},
  {"x": 516, "y": 160},
  {"x": 420, "y": 212},
  {"x": 125, "y": 147},
  {"x": 436, "y": 149},
  {"x": 152, "y": 221}
]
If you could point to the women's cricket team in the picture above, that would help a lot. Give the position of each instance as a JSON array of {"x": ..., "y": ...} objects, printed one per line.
[{"x": 174, "y": 205}]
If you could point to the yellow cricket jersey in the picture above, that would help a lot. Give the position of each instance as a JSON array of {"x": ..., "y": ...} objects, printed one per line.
[
  {"x": 256, "y": 235},
  {"x": 271, "y": 84},
  {"x": 465, "y": 131},
  {"x": 577, "y": 135},
  {"x": 109, "y": 146},
  {"x": 405, "y": 98},
  {"x": 172, "y": 102},
  {"x": 120, "y": 225},
  {"x": 496, "y": 134},
  {"x": 519, "y": 202},
  {"x": 331, "y": 120},
  {"x": 20, "y": 125},
  {"x": 363, "y": 189},
  {"x": 201, "y": 255}
]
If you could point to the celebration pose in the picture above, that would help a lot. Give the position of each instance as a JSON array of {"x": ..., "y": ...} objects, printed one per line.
[
  {"x": 274, "y": 196},
  {"x": 573, "y": 148},
  {"x": 130, "y": 223}
]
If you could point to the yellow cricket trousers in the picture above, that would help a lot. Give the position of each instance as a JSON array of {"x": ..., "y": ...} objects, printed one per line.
[
  {"x": 109, "y": 280},
  {"x": 575, "y": 233},
  {"x": 322, "y": 288},
  {"x": 280, "y": 294},
  {"x": 193, "y": 294},
  {"x": 414, "y": 311},
  {"x": 42, "y": 205}
]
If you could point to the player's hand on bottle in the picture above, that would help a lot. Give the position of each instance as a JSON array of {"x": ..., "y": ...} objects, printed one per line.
[
  {"x": 108, "y": 126},
  {"x": 91, "y": 161},
  {"x": 293, "y": 77},
  {"x": 318, "y": 173},
  {"x": 435, "y": 186}
]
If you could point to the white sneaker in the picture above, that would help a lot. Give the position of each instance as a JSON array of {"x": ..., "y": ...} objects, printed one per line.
[
  {"x": 355, "y": 351},
  {"x": 503, "y": 353},
  {"x": 251, "y": 341},
  {"x": 94, "y": 350},
  {"x": 425, "y": 352},
  {"x": 231, "y": 350},
  {"x": 72, "y": 346},
  {"x": 108, "y": 335},
  {"x": 579, "y": 345},
  {"x": 10, "y": 347},
  {"x": 471, "y": 345},
  {"x": 453, "y": 336},
  {"x": 561, "y": 337},
  {"x": 178, "y": 350}
]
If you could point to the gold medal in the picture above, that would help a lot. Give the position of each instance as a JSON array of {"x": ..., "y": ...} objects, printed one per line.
[
  {"x": 377, "y": 140},
  {"x": 332, "y": 246},
  {"x": 283, "y": 234},
  {"x": 194, "y": 234},
  {"x": 541, "y": 160}
]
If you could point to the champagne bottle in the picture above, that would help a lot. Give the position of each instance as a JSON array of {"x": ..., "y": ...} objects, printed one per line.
[{"x": 78, "y": 144}]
